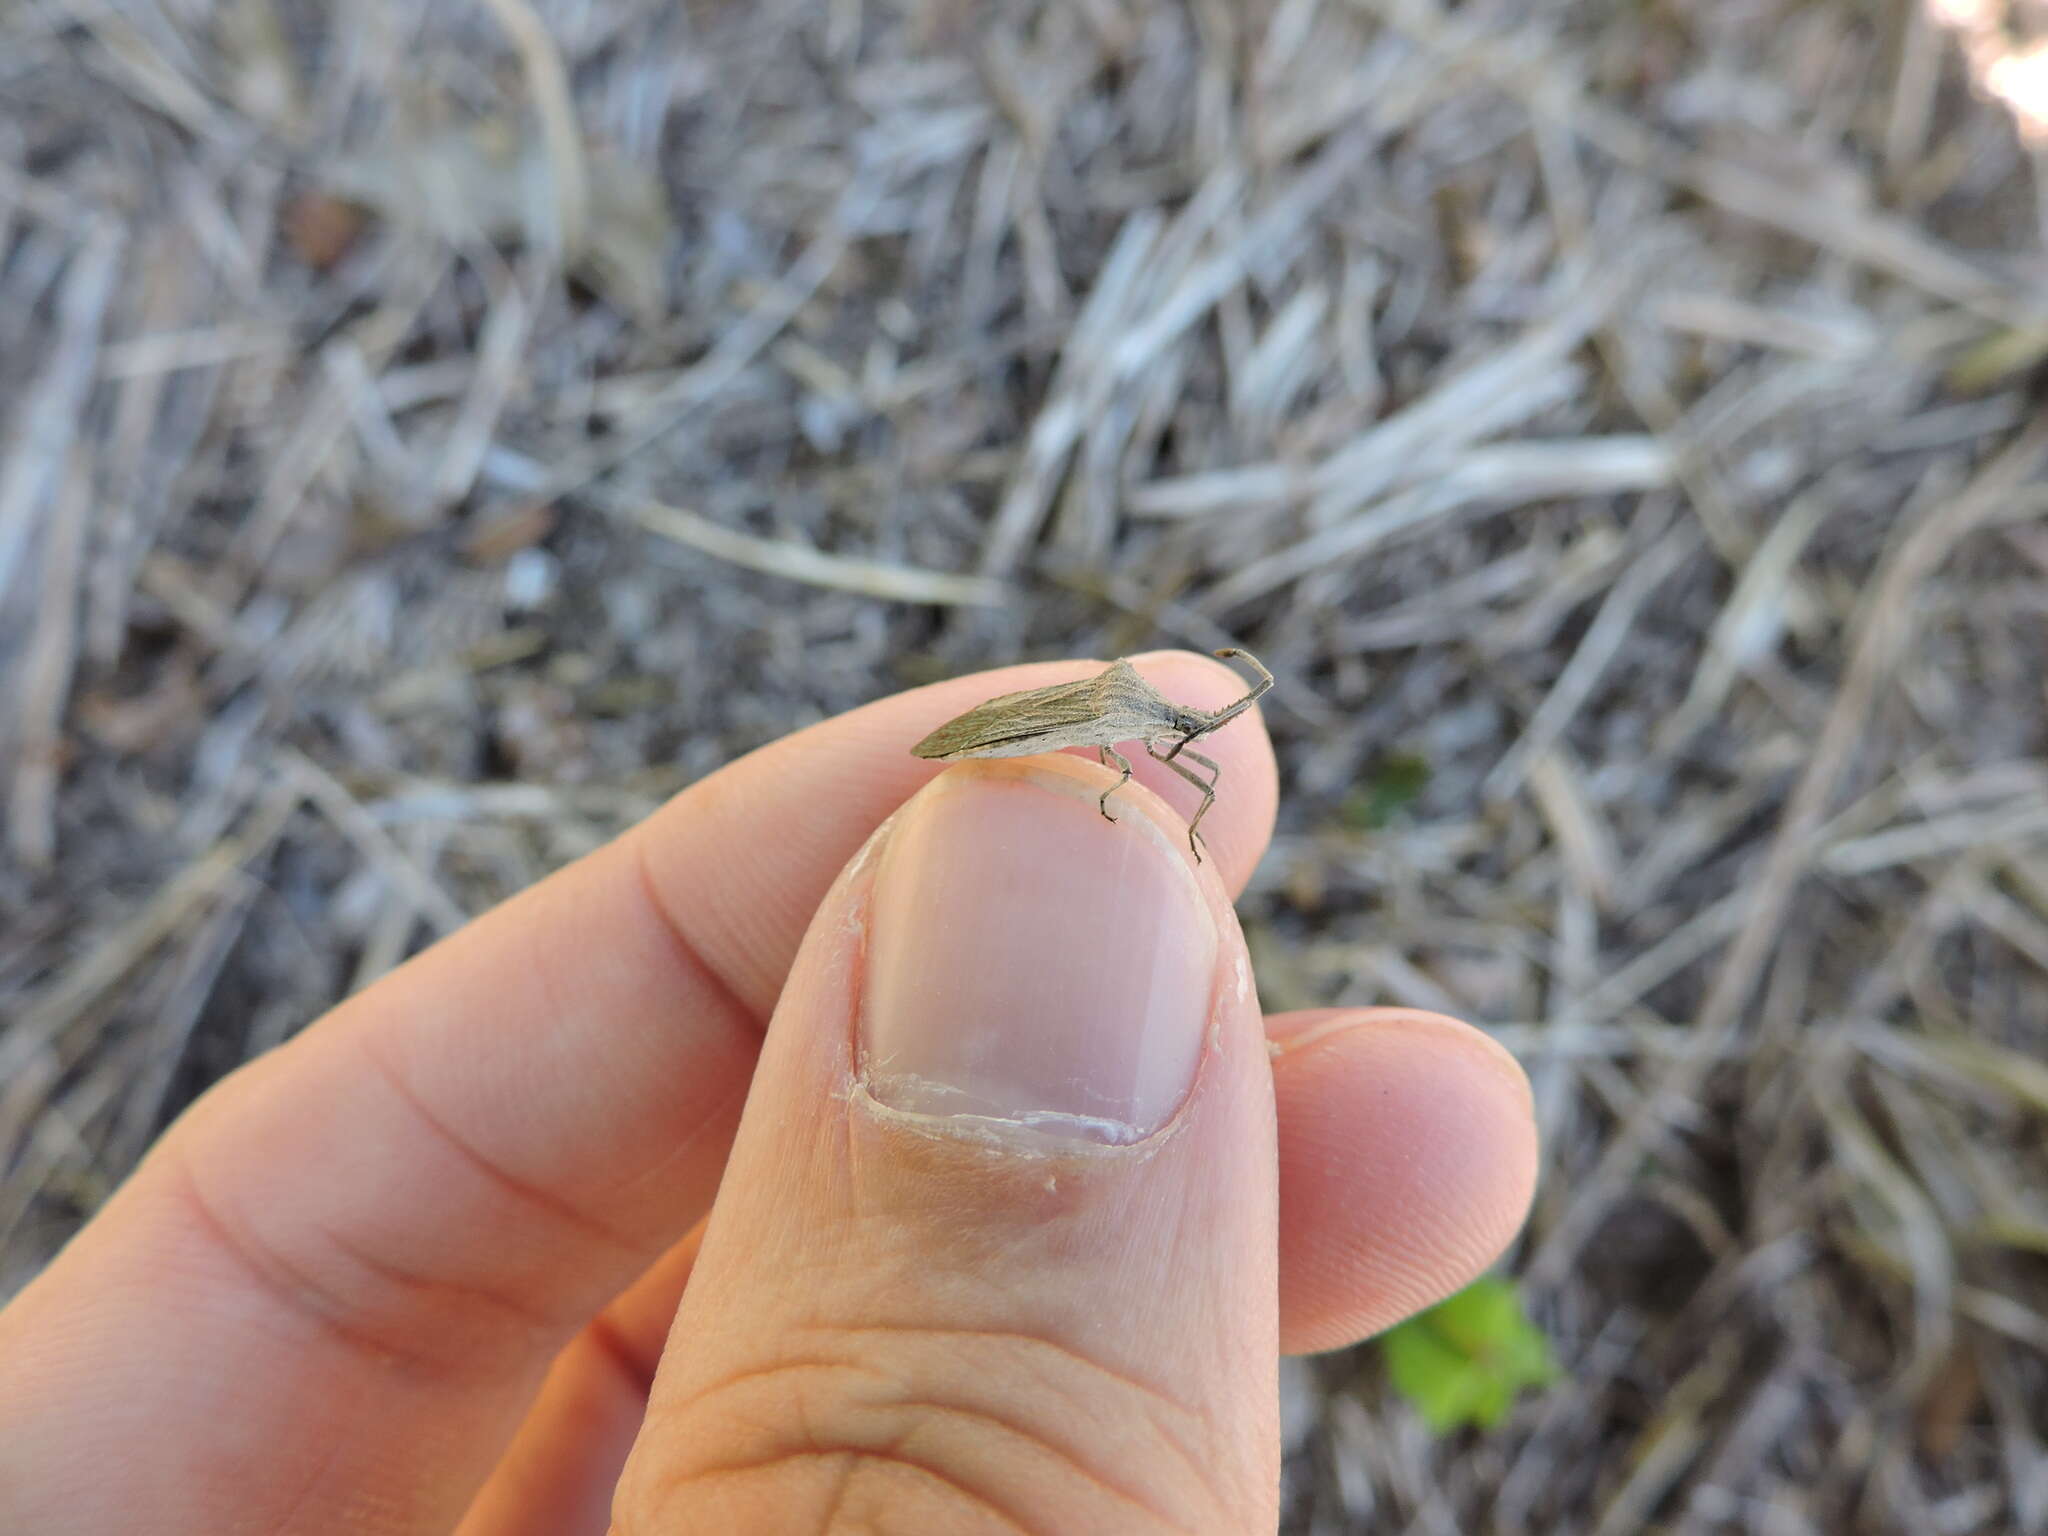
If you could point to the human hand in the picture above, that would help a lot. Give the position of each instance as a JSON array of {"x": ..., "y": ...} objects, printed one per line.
[{"x": 1025, "y": 1201}]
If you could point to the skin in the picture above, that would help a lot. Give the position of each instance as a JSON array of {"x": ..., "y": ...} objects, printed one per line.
[{"x": 421, "y": 1268}]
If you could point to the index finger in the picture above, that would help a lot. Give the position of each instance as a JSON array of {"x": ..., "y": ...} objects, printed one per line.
[{"x": 359, "y": 1253}]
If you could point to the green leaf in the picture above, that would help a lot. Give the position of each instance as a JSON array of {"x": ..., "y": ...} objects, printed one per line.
[
  {"x": 1465, "y": 1360},
  {"x": 1393, "y": 784}
]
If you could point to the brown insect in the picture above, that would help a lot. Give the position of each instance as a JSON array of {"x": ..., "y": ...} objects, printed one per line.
[{"x": 1112, "y": 706}]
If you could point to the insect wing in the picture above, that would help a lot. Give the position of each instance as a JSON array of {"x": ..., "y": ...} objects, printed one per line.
[{"x": 1014, "y": 717}]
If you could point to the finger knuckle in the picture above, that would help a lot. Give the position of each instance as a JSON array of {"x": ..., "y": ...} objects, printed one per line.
[
  {"x": 352, "y": 1299},
  {"x": 891, "y": 1429}
]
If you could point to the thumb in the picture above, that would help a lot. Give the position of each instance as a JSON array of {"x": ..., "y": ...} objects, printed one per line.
[{"x": 996, "y": 1246}]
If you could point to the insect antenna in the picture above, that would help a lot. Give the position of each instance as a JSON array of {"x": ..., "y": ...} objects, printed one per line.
[{"x": 1232, "y": 711}]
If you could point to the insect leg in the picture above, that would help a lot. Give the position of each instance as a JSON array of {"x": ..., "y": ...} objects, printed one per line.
[
  {"x": 1206, "y": 786},
  {"x": 1208, "y": 790},
  {"x": 1105, "y": 754}
]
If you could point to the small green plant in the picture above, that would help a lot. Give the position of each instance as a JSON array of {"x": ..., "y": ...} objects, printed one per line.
[
  {"x": 1467, "y": 1358},
  {"x": 1391, "y": 786}
]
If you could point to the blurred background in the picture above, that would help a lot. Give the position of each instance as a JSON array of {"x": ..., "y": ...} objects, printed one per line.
[{"x": 432, "y": 434}]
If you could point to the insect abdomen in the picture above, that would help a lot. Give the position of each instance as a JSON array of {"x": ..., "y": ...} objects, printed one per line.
[{"x": 947, "y": 745}]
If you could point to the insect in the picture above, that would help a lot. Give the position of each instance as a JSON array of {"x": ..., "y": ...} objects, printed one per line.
[{"x": 1112, "y": 706}]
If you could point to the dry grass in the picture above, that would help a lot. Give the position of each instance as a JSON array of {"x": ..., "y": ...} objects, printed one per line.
[{"x": 434, "y": 436}]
